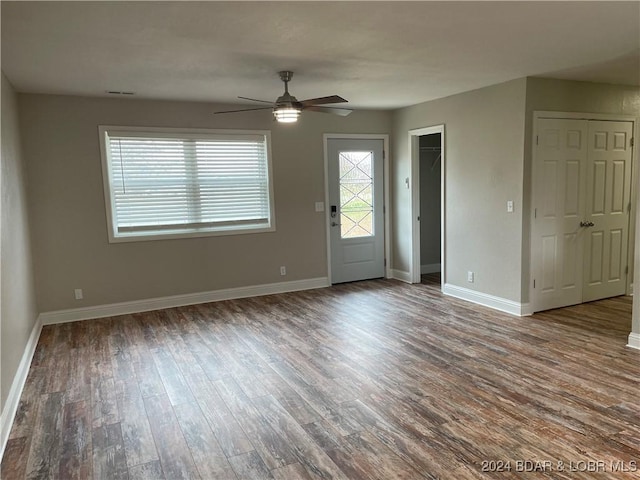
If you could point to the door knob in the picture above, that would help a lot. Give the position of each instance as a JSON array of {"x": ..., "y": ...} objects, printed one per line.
[{"x": 334, "y": 224}]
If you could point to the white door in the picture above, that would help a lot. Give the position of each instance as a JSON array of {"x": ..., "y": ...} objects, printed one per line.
[
  {"x": 608, "y": 207},
  {"x": 559, "y": 193},
  {"x": 582, "y": 183},
  {"x": 356, "y": 219}
]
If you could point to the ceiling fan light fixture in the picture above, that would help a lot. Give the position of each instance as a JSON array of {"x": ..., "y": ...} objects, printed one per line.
[{"x": 286, "y": 114}]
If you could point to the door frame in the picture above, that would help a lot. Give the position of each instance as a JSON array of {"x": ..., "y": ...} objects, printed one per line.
[
  {"x": 633, "y": 232},
  {"x": 414, "y": 179},
  {"x": 385, "y": 200}
]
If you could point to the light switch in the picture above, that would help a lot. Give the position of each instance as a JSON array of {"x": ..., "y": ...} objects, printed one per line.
[
  {"x": 509, "y": 206},
  {"x": 319, "y": 206}
]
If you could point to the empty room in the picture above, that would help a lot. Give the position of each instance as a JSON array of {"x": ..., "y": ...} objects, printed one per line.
[{"x": 319, "y": 240}]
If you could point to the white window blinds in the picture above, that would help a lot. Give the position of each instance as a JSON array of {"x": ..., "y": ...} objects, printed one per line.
[{"x": 164, "y": 183}]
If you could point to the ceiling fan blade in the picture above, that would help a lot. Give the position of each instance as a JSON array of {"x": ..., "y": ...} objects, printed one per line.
[
  {"x": 323, "y": 100},
  {"x": 243, "y": 110},
  {"x": 343, "y": 112},
  {"x": 256, "y": 100}
]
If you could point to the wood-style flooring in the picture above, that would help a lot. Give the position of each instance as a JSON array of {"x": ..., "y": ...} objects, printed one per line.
[{"x": 368, "y": 380}]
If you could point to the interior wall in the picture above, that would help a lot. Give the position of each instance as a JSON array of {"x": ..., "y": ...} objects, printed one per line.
[
  {"x": 71, "y": 248},
  {"x": 545, "y": 94},
  {"x": 484, "y": 168},
  {"x": 430, "y": 200},
  {"x": 18, "y": 312}
]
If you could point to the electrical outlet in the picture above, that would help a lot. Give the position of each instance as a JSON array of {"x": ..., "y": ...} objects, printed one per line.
[
  {"x": 470, "y": 277},
  {"x": 78, "y": 293},
  {"x": 283, "y": 270},
  {"x": 509, "y": 206}
]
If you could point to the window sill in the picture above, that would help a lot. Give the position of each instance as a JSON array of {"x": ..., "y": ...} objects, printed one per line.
[{"x": 178, "y": 235}]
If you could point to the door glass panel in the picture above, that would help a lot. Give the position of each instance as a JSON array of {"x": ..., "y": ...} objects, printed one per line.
[{"x": 356, "y": 194}]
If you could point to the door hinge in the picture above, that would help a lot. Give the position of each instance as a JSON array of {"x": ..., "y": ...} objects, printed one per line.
[
  {"x": 535, "y": 213},
  {"x": 629, "y": 207},
  {"x": 632, "y": 141},
  {"x": 384, "y": 209},
  {"x": 536, "y": 139},
  {"x": 385, "y": 262},
  {"x": 384, "y": 154},
  {"x": 534, "y": 283},
  {"x": 626, "y": 270}
]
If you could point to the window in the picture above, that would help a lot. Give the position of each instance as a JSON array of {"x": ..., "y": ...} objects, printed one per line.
[
  {"x": 356, "y": 194},
  {"x": 166, "y": 183}
]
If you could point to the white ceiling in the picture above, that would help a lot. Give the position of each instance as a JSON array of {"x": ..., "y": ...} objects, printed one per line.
[{"x": 375, "y": 54}]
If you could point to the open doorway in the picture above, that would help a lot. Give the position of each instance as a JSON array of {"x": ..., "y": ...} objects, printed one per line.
[
  {"x": 430, "y": 157},
  {"x": 427, "y": 204}
]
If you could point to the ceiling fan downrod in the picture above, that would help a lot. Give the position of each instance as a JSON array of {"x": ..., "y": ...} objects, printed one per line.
[{"x": 286, "y": 76}]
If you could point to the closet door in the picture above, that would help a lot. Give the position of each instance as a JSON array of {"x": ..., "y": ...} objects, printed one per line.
[
  {"x": 607, "y": 213},
  {"x": 560, "y": 197}
]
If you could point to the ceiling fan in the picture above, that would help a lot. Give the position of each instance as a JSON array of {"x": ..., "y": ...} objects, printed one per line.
[{"x": 287, "y": 108}]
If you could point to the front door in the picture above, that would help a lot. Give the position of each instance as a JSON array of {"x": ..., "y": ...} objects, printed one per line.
[{"x": 356, "y": 218}]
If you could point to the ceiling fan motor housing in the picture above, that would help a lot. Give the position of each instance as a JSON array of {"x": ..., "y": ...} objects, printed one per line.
[{"x": 286, "y": 100}]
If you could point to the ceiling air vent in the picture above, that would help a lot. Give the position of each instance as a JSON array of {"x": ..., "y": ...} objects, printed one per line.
[{"x": 116, "y": 92}]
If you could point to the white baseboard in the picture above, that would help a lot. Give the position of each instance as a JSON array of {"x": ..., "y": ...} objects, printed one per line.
[
  {"x": 15, "y": 392},
  {"x": 497, "y": 303},
  {"x": 401, "y": 275},
  {"x": 526, "y": 309},
  {"x": 430, "y": 268},
  {"x": 100, "y": 311},
  {"x": 634, "y": 340}
]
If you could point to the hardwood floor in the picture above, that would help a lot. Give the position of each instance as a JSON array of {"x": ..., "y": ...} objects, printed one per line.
[{"x": 366, "y": 380}]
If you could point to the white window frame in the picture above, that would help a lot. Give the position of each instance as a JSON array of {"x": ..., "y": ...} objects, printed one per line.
[{"x": 159, "y": 132}]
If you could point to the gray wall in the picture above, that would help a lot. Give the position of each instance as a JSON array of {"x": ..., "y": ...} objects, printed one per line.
[
  {"x": 484, "y": 135},
  {"x": 70, "y": 242},
  {"x": 544, "y": 94},
  {"x": 429, "y": 201},
  {"x": 17, "y": 295}
]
